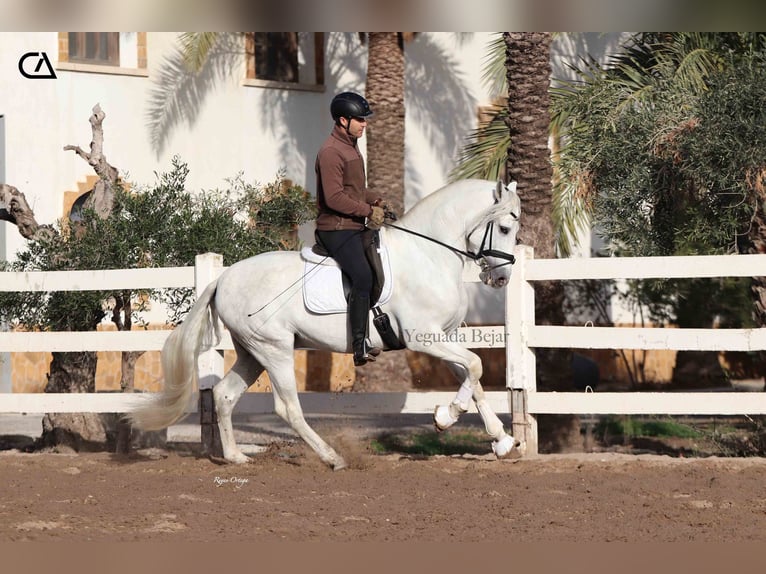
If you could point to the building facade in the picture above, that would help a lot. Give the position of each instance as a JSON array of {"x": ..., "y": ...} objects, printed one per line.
[{"x": 259, "y": 106}]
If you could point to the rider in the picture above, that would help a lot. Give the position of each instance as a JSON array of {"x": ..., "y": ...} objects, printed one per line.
[{"x": 344, "y": 202}]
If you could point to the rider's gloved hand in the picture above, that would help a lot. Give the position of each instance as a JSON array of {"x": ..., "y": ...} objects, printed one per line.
[
  {"x": 380, "y": 202},
  {"x": 376, "y": 218}
]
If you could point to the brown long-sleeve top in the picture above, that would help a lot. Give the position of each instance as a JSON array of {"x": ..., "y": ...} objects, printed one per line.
[{"x": 343, "y": 200}]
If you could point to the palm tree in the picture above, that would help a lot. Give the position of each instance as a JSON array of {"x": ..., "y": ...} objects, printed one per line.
[
  {"x": 511, "y": 143},
  {"x": 385, "y": 164},
  {"x": 485, "y": 154},
  {"x": 528, "y": 75},
  {"x": 529, "y": 161}
]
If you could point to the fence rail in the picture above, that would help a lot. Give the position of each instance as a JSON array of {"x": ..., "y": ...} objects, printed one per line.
[{"x": 519, "y": 335}]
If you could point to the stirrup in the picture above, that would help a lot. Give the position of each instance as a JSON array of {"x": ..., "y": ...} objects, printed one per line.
[
  {"x": 367, "y": 355},
  {"x": 360, "y": 360},
  {"x": 374, "y": 351}
]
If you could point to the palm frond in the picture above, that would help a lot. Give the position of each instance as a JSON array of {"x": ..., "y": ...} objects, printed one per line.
[
  {"x": 493, "y": 71},
  {"x": 195, "y": 47},
  {"x": 695, "y": 67},
  {"x": 484, "y": 155},
  {"x": 570, "y": 215},
  {"x": 177, "y": 93}
]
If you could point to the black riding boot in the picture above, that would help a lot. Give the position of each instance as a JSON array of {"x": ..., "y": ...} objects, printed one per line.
[{"x": 359, "y": 314}]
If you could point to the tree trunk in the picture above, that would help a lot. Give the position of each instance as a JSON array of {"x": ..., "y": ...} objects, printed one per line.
[
  {"x": 69, "y": 372},
  {"x": 76, "y": 372},
  {"x": 385, "y": 131},
  {"x": 528, "y": 71},
  {"x": 529, "y": 159},
  {"x": 127, "y": 437},
  {"x": 385, "y": 175},
  {"x": 127, "y": 382},
  {"x": 73, "y": 373},
  {"x": 102, "y": 198},
  {"x": 15, "y": 209}
]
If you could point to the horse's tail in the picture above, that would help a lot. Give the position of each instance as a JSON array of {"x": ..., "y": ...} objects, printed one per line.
[{"x": 198, "y": 332}]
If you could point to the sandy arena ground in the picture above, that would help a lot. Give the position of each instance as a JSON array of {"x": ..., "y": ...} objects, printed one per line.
[{"x": 287, "y": 494}]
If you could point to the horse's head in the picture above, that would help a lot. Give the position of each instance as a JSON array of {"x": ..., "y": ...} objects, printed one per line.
[{"x": 493, "y": 238}]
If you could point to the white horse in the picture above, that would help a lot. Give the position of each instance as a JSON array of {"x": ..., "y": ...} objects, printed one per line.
[{"x": 259, "y": 301}]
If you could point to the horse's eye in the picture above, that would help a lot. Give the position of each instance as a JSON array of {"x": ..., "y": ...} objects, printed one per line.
[
  {"x": 516, "y": 217},
  {"x": 505, "y": 230}
]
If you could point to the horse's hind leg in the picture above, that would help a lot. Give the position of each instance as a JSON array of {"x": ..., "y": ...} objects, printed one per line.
[
  {"x": 287, "y": 406},
  {"x": 226, "y": 393}
]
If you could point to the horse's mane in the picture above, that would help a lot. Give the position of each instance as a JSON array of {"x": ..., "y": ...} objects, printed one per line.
[
  {"x": 497, "y": 210},
  {"x": 437, "y": 205}
]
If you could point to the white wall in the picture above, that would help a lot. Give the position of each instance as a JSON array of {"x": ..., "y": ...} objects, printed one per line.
[
  {"x": 232, "y": 128},
  {"x": 443, "y": 94}
]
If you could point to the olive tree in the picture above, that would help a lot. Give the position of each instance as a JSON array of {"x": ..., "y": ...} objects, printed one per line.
[
  {"x": 158, "y": 225},
  {"x": 665, "y": 148}
]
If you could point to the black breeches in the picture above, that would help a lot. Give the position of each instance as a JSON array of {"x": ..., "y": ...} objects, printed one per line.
[{"x": 346, "y": 247}]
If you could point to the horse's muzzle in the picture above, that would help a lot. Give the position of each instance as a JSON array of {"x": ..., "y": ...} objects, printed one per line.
[
  {"x": 488, "y": 277},
  {"x": 489, "y": 273}
]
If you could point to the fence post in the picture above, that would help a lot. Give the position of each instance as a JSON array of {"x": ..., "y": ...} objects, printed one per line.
[
  {"x": 207, "y": 268},
  {"x": 6, "y": 380},
  {"x": 520, "y": 363}
]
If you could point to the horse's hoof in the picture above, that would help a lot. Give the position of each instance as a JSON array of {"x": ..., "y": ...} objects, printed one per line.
[
  {"x": 443, "y": 419},
  {"x": 507, "y": 446},
  {"x": 340, "y": 465},
  {"x": 238, "y": 458}
]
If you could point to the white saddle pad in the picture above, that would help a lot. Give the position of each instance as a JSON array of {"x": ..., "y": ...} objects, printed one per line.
[{"x": 323, "y": 282}]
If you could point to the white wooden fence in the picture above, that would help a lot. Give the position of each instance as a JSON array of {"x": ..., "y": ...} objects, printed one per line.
[{"x": 520, "y": 335}]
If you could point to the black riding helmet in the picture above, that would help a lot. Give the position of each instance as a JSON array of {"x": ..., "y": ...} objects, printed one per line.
[{"x": 349, "y": 105}]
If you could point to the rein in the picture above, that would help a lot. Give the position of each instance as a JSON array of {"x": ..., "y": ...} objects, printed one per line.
[{"x": 481, "y": 254}]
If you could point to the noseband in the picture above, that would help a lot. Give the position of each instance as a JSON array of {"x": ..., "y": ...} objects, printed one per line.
[{"x": 484, "y": 253}]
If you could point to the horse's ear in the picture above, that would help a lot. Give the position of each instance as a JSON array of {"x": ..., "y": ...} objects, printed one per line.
[
  {"x": 500, "y": 187},
  {"x": 498, "y": 192}
]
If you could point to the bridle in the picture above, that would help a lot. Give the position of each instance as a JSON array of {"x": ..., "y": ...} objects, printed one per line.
[
  {"x": 479, "y": 257},
  {"x": 483, "y": 253}
]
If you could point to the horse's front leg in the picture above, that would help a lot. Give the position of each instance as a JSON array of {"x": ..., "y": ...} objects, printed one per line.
[
  {"x": 467, "y": 368},
  {"x": 503, "y": 443}
]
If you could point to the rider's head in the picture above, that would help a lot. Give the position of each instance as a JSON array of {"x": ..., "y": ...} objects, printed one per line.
[{"x": 350, "y": 106}]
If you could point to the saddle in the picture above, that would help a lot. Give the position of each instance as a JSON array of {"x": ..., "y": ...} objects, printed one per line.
[
  {"x": 371, "y": 243},
  {"x": 322, "y": 294}
]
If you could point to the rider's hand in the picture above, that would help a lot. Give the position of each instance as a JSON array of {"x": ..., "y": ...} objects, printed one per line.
[
  {"x": 380, "y": 202},
  {"x": 376, "y": 218}
]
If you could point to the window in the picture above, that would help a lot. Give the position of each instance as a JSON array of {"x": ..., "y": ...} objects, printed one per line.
[
  {"x": 276, "y": 56},
  {"x": 285, "y": 60},
  {"x": 94, "y": 47},
  {"x": 122, "y": 53}
]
